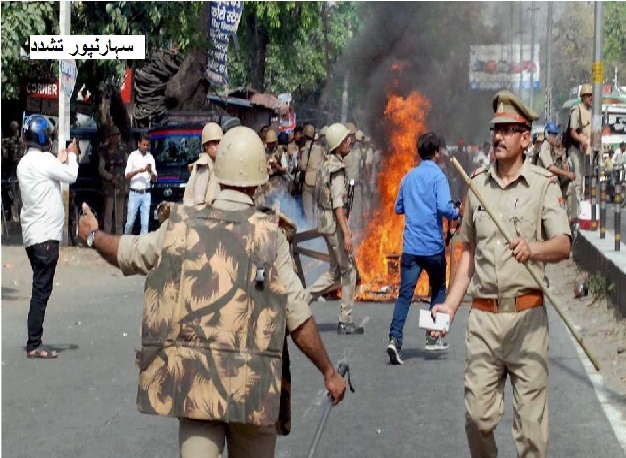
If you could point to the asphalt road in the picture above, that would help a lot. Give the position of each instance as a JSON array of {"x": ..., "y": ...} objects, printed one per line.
[{"x": 83, "y": 404}]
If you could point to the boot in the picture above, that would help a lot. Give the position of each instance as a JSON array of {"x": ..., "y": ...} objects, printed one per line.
[{"x": 348, "y": 329}]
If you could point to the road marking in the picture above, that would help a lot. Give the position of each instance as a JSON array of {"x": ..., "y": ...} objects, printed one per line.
[{"x": 612, "y": 414}]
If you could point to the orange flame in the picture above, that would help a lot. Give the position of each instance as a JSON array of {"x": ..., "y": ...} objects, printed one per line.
[{"x": 383, "y": 236}]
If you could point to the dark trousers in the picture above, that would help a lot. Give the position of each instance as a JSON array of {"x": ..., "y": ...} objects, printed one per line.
[
  {"x": 411, "y": 267},
  {"x": 43, "y": 259}
]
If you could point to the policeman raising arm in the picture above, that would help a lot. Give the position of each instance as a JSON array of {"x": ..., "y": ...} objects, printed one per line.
[
  {"x": 507, "y": 329},
  {"x": 220, "y": 294}
]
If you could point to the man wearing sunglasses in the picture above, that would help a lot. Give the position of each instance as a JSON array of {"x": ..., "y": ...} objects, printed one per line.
[{"x": 507, "y": 330}]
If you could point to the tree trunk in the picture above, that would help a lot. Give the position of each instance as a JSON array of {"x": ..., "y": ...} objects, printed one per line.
[{"x": 259, "y": 48}]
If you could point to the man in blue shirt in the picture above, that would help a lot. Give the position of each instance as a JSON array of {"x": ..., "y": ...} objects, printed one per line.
[{"x": 424, "y": 198}]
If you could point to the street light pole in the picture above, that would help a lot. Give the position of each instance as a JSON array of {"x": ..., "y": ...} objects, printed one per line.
[
  {"x": 596, "y": 109},
  {"x": 63, "y": 134},
  {"x": 532, "y": 53},
  {"x": 549, "y": 65}
]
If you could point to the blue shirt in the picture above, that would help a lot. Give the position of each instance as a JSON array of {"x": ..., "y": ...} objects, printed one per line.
[{"x": 424, "y": 199}]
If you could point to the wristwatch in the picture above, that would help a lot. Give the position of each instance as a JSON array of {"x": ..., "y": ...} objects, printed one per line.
[{"x": 91, "y": 237}]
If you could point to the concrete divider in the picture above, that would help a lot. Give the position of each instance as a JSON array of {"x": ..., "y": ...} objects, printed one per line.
[{"x": 598, "y": 256}]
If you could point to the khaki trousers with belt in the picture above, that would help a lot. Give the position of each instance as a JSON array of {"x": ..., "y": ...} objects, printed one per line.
[
  {"x": 576, "y": 187},
  {"x": 206, "y": 439},
  {"x": 307, "y": 203},
  {"x": 109, "y": 207},
  {"x": 498, "y": 344},
  {"x": 342, "y": 267}
]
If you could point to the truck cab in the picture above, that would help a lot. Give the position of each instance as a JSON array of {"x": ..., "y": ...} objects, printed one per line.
[{"x": 175, "y": 145}]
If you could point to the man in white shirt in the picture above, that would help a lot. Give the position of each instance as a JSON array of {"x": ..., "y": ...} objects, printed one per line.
[
  {"x": 40, "y": 175},
  {"x": 140, "y": 171}
]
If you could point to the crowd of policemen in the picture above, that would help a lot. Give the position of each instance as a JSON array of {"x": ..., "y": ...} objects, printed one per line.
[{"x": 293, "y": 161}]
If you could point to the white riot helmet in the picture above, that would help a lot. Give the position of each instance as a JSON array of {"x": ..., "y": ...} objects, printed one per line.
[
  {"x": 240, "y": 159},
  {"x": 335, "y": 134},
  {"x": 211, "y": 131}
]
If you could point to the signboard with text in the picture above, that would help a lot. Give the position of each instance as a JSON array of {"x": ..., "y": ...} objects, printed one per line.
[
  {"x": 225, "y": 16},
  {"x": 493, "y": 67}
]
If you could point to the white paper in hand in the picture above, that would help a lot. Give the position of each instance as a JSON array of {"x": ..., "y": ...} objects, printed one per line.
[{"x": 441, "y": 322}]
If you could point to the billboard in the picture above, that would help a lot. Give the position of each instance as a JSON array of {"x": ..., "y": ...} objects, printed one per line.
[{"x": 493, "y": 67}]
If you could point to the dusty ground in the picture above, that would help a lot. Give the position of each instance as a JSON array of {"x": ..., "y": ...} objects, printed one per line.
[{"x": 594, "y": 318}]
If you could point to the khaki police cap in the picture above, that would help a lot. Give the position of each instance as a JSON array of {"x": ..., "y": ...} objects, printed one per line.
[
  {"x": 586, "y": 89},
  {"x": 507, "y": 108}
]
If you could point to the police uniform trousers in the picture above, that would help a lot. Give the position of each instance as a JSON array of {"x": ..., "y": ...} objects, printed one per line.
[
  {"x": 307, "y": 203},
  {"x": 342, "y": 267},
  {"x": 356, "y": 213},
  {"x": 206, "y": 439},
  {"x": 498, "y": 344},
  {"x": 576, "y": 191},
  {"x": 109, "y": 207}
]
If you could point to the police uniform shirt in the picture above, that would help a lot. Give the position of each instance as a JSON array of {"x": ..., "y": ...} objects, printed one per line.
[
  {"x": 581, "y": 117},
  {"x": 353, "y": 164},
  {"x": 338, "y": 189},
  {"x": 497, "y": 274},
  {"x": 546, "y": 155},
  {"x": 139, "y": 254}
]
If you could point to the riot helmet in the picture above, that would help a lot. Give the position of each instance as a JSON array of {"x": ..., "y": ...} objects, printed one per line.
[
  {"x": 36, "y": 131},
  {"x": 240, "y": 160},
  {"x": 336, "y": 134}
]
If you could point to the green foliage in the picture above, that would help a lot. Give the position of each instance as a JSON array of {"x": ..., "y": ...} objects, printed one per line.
[
  {"x": 19, "y": 20},
  {"x": 165, "y": 24},
  {"x": 599, "y": 286},
  {"x": 615, "y": 31},
  {"x": 614, "y": 38},
  {"x": 572, "y": 51},
  {"x": 295, "y": 54}
]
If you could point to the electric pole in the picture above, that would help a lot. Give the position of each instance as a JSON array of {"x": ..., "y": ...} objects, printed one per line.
[{"x": 549, "y": 65}]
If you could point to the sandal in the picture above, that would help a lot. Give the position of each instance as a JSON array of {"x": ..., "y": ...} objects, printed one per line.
[{"x": 42, "y": 353}]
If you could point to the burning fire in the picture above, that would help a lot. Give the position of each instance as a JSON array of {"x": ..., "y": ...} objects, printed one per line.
[{"x": 378, "y": 256}]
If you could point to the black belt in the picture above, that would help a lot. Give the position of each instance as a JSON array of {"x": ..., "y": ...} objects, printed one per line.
[{"x": 140, "y": 191}]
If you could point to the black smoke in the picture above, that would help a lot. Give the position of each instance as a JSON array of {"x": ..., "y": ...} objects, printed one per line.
[{"x": 431, "y": 40}]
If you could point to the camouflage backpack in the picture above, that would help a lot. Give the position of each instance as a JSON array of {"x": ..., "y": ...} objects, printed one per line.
[
  {"x": 213, "y": 332},
  {"x": 323, "y": 195}
]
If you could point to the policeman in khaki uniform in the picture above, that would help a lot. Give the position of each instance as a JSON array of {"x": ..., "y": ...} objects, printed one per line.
[
  {"x": 580, "y": 131},
  {"x": 220, "y": 294},
  {"x": 202, "y": 186},
  {"x": 355, "y": 173},
  {"x": 554, "y": 160},
  {"x": 331, "y": 196},
  {"x": 111, "y": 168},
  {"x": 310, "y": 157},
  {"x": 507, "y": 330}
]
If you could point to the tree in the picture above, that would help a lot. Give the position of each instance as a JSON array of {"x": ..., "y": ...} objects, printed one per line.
[
  {"x": 572, "y": 51},
  {"x": 614, "y": 38},
  {"x": 19, "y": 21},
  {"x": 271, "y": 24}
]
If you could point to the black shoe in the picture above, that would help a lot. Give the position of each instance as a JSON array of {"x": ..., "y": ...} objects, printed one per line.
[
  {"x": 349, "y": 328},
  {"x": 393, "y": 350}
]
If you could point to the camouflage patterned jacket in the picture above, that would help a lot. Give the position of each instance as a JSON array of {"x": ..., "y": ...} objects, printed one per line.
[
  {"x": 331, "y": 165},
  {"x": 213, "y": 331}
]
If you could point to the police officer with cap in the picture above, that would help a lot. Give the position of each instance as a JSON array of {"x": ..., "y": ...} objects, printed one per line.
[
  {"x": 220, "y": 295},
  {"x": 507, "y": 332}
]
